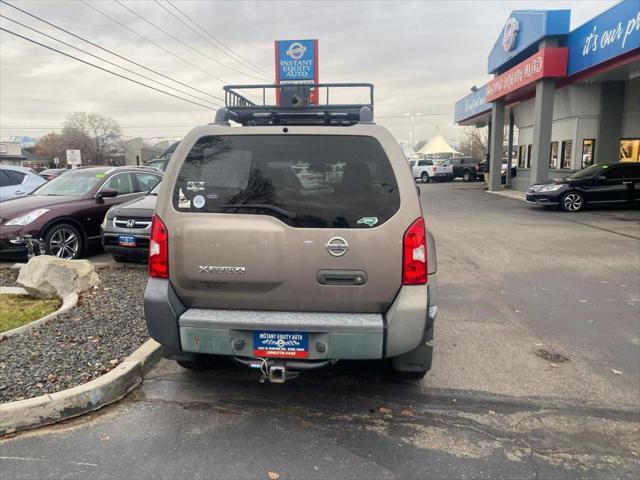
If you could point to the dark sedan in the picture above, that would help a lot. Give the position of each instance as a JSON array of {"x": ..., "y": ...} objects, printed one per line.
[
  {"x": 66, "y": 212},
  {"x": 51, "y": 173},
  {"x": 605, "y": 183},
  {"x": 126, "y": 228}
]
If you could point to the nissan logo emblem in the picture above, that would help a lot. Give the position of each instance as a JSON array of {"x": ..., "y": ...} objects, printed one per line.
[{"x": 337, "y": 246}]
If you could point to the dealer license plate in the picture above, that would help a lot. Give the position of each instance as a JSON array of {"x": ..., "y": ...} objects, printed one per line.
[
  {"x": 281, "y": 344},
  {"x": 126, "y": 241}
]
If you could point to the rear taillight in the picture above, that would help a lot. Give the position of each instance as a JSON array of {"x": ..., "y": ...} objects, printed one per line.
[
  {"x": 158, "y": 249},
  {"x": 435, "y": 169},
  {"x": 414, "y": 254}
]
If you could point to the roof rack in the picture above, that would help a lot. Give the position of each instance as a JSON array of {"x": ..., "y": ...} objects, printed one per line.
[{"x": 295, "y": 106}]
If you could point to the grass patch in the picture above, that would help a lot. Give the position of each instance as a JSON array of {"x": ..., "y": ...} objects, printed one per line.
[{"x": 17, "y": 310}]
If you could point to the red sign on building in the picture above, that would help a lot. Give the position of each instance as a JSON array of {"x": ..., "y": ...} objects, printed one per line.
[{"x": 549, "y": 62}]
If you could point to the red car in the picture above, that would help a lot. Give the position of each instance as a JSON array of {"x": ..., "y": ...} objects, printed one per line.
[{"x": 66, "y": 212}]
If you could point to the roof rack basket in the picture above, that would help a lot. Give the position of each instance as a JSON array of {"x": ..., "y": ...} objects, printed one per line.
[{"x": 295, "y": 105}]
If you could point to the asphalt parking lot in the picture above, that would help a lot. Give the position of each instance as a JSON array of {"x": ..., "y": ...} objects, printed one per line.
[{"x": 536, "y": 375}]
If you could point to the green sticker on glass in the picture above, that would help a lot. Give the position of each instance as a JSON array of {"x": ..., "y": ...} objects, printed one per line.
[
  {"x": 99, "y": 175},
  {"x": 605, "y": 166},
  {"x": 370, "y": 221}
]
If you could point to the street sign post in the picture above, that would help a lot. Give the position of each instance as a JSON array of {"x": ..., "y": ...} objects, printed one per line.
[{"x": 73, "y": 158}]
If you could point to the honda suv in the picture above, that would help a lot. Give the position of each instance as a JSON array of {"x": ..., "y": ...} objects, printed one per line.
[{"x": 250, "y": 260}]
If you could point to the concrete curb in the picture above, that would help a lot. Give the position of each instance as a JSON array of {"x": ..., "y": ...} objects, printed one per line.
[
  {"x": 508, "y": 195},
  {"x": 13, "y": 291},
  {"x": 90, "y": 396},
  {"x": 68, "y": 303}
]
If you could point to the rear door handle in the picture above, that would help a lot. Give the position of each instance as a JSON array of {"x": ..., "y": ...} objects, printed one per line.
[
  {"x": 19, "y": 192},
  {"x": 342, "y": 277},
  {"x": 627, "y": 183}
]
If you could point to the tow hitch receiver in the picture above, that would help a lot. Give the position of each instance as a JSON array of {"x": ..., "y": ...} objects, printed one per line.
[{"x": 277, "y": 371}]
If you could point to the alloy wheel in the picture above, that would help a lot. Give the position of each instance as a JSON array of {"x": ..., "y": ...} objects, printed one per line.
[
  {"x": 64, "y": 243},
  {"x": 572, "y": 202}
]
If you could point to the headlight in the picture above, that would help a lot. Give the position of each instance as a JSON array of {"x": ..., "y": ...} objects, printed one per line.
[
  {"x": 28, "y": 218},
  {"x": 551, "y": 188}
]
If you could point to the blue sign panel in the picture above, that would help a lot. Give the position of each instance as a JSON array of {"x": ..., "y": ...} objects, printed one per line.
[
  {"x": 296, "y": 60},
  {"x": 471, "y": 105},
  {"x": 523, "y": 29},
  {"x": 609, "y": 35}
]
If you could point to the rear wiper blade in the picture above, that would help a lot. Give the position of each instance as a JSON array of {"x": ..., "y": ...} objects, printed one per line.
[{"x": 264, "y": 206}]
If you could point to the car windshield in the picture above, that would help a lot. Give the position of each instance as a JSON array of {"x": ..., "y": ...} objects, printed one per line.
[
  {"x": 588, "y": 172},
  {"x": 73, "y": 184}
]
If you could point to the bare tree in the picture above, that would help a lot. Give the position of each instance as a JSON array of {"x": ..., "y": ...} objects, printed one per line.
[
  {"x": 476, "y": 141},
  {"x": 91, "y": 133},
  {"x": 52, "y": 145}
]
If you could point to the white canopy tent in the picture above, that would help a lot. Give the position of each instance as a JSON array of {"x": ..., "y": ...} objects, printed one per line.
[{"x": 438, "y": 147}]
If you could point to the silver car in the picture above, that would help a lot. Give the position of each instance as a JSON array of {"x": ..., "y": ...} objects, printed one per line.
[{"x": 18, "y": 181}]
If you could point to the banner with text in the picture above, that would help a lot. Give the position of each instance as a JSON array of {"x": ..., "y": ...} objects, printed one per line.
[{"x": 549, "y": 62}]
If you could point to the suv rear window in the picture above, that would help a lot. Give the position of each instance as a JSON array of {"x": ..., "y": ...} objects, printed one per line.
[{"x": 311, "y": 181}]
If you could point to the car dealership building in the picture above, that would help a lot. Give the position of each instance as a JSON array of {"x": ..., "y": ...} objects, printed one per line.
[{"x": 573, "y": 95}]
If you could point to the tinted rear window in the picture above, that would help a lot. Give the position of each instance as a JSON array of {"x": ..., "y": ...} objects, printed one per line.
[{"x": 313, "y": 181}]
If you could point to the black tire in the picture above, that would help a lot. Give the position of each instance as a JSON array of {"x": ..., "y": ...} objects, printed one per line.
[
  {"x": 466, "y": 176},
  {"x": 194, "y": 365},
  {"x": 64, "y": 241},
  {"x": 409, "y": 375},
  {"x": 572, "y": 201},
  {"x": 119, "y": 258},
  {"x": 425, "y": 177}
]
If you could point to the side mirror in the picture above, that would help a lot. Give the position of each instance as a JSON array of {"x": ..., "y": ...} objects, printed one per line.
[
  {"x": 107, "y": 193},
  {"x": 418, "y": 189}
]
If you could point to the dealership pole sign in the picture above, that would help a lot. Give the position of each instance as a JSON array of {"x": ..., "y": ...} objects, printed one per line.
[
  {"x": 549, "y": 62},
  {"x": 297, "y": 62}
]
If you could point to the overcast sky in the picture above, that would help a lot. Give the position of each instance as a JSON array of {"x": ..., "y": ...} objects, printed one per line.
[{"x": 422, "y": 56}]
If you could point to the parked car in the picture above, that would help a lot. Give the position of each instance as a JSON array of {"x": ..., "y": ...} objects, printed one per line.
[
  {"x": 465, "y": 168},
  {"x": 483, "y": 169},
  {"x": 67, "y": 211},
  {"x": 17, "y": 182},
  {"x": 158, "y": 164},
  {"x": 162, "y": 161},
  {"x": 245, "y": 261},
  {"x": 51, "y": 173},
  {"x": 605, "y": 183},
  {"x": 126, "y": 228},
  {"x": 426, "y": 170},
  {"x": 445, "y": 169}
]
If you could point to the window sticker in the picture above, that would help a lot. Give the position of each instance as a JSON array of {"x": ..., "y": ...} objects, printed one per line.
[
  {"x": 99, "y": 175},
  {"x": 369, "y": 221},
  {"x": 198, "y": 201},
  {"x": 183, "y": 202},
  {"x": 212, "y": 196},
  {"x": 195, "y": 186}
]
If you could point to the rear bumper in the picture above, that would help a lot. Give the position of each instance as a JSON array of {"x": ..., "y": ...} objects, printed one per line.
[{"x": 332, "y": 336}]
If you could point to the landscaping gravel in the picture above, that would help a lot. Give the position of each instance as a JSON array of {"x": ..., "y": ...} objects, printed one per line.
[
  {"x": 104, "y": 328},
  {"x": 8, "y": 277}
]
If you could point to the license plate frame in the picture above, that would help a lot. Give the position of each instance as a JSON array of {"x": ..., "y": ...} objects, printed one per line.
[
  {"x": 278, "y": 344},
  {"x": 126, "y": 241}
]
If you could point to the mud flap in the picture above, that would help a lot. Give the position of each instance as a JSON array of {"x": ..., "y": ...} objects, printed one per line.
[{"x": 417, "y": 360}]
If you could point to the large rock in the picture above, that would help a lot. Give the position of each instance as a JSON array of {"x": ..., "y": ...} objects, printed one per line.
[{"x": 46, "y": 276}]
